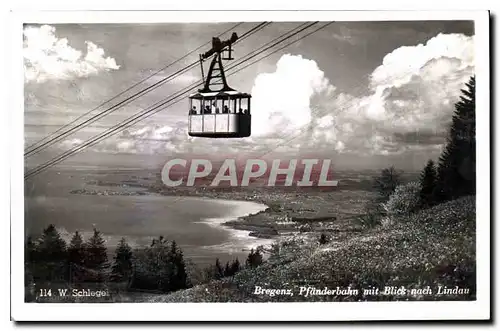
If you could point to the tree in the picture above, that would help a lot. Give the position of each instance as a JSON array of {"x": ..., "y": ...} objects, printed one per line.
[
  {"x": 76, "y": 251},
  {"x": 373, "y": 212},
  {"x": 219, "y": 270},
  {"x": 384, "y": 184},
  {"x": 456, "y": 173},
  {"x": 51, "y": 246},
  {"x": 254, "y": 258},
  {"x": 160, "y": 267},
  {"x": 51, "y": 257},
  {"x": 235, "y": 267},
  {"x": 151, "y": 269},
  {"x": 30, "y": 250},
  {"x": 122, "y": 262},
  {"x": 227, "y": 270},
  {"x": 30, "y": 256},
  {"x": 387, "y": 182},
  {"x": 96, "y": 256},
  {"x": 179, "y": 278},
  {"x": 232, "y": 268},
  {"x": 428, "y": 179}
]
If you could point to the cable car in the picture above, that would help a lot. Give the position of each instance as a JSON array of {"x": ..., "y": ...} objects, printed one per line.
[{"x": 220, "y": 112}]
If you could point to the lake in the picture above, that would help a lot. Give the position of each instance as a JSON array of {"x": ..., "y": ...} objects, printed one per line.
[{"x": 194, "y": 223}]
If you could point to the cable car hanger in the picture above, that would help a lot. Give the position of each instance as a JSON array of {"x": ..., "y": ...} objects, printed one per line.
[
  {"x": 219, "y": 112},
  {"x": 218, "y": 48}
]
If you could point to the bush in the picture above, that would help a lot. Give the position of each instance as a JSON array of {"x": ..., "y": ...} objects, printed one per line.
[
  {"x": 370, "y": 220},
  {"x": 404, "y": 201},
  {"x": 323, "y": 239},
  {"x": 372, "y": 215},
  {"x": 384, "y": 184}
]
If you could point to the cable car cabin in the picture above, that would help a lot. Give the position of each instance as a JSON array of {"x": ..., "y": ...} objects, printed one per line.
[{"x": 222, "y": 114}]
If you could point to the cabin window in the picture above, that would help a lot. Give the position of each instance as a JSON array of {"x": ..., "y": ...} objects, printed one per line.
[
  {"x": 219, "y": 106},
  {"x": 207, "y": 107},
  {"x": 226, "y": 106},
  {"x": 195, "y": 106},
  {"x": 243, "y": 108}
]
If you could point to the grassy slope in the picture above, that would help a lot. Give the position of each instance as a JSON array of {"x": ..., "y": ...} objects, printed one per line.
[{"x": 433, "y": 247}]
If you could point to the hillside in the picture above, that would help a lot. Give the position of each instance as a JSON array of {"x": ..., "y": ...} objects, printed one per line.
[{"x": 434, "y": 247}]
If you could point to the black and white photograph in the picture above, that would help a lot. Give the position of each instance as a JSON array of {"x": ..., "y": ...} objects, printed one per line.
[{"x": 201, "y": 157}]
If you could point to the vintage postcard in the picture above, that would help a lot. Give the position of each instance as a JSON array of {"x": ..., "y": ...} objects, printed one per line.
[{"x": 324, "y": 162}]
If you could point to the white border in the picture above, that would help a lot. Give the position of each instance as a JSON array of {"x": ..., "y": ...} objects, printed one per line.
[
  {"x": 238, "y": 16},
  {"x": 21, "y": 311}
]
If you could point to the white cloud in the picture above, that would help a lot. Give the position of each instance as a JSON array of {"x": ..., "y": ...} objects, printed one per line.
[
  {"x": 48, "y": 57},
  {"x": 412, "y": 91},
  {"x": 417, "y": 85},
  {"x": 407, "y": 108},
  {"x": 282, "y": 99},
  {"x": 399, "y": 66}
]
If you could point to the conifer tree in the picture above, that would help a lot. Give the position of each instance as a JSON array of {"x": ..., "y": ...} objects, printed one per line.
[
  {"x": 169, "y": 283},
  {"x": 160, "y": 267},
  {"x": 254, "y": 258},
  {"x": 29, "y": 267},
  {"x": 51, "y": 257},
  {"x": 219, "y": 270},
  {"x": 428, "y": 179},
  {"x": 235, "y": 267},
  {"x": 30, "y": 250},
  {"x": 95, "y": 252},
  {"x": 122, "y": 264},
  {"x": 227, "y": 270},
  {"x": 151, "y": 267},
  {"x": 179, "y": 277},
  {"x": 250, "y": 259},
  {"x": 456, "y": 173},
  {"x": 76, "y": 251},
  {"x": 52, "y": 247}
]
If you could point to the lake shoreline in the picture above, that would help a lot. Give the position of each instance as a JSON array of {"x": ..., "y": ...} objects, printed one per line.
[
  {"x": 240, "y": 237},
  {"x": 283, "y": 213}
]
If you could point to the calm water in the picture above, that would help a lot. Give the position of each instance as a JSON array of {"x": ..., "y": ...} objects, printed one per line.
[{"x": 193, "y": 222}]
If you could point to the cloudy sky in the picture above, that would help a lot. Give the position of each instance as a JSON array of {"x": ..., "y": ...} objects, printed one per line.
[{"x": 365, "y": 94}]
